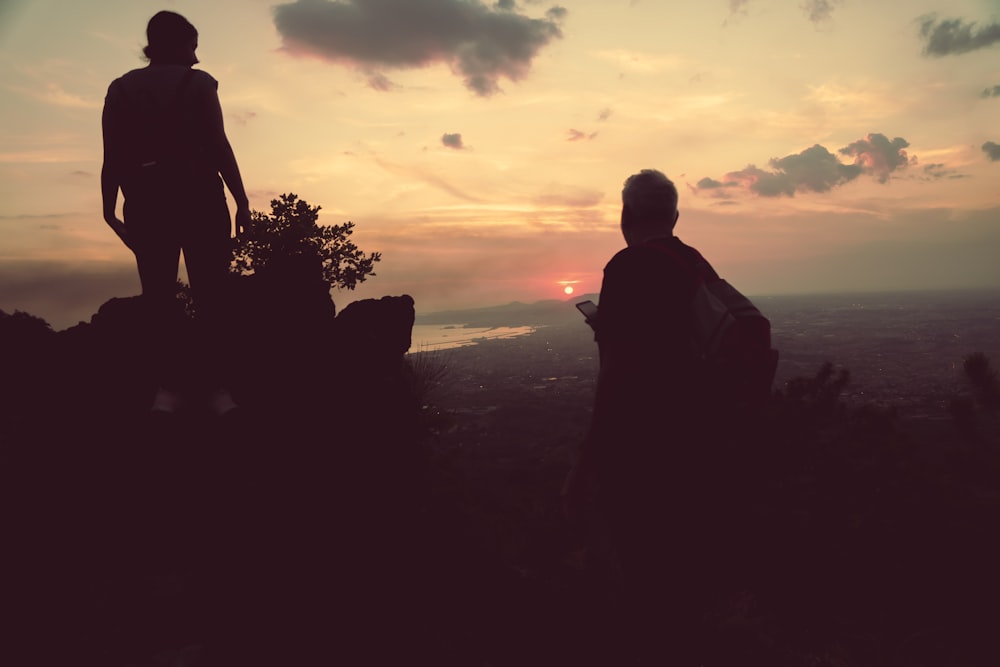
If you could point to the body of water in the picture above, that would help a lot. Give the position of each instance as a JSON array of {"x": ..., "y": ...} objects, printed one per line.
[
  {"x": 904, "y": 349},
  {"x": 427, "y": 337}
]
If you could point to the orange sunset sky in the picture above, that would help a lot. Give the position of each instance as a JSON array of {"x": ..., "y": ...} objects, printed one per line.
[{"x": 818, "y": 145}]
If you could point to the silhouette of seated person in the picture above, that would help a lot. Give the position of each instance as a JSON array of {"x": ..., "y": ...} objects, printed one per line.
[{"x": 166, "y": 149}]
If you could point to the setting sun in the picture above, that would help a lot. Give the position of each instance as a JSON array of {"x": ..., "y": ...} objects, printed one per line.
[{"x": 568, "y": 289}]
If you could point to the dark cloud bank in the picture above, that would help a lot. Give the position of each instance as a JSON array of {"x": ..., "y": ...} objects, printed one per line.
[
  {"x": 816, "y": 169},
  {"x": 955, "y": 36},
  {"x": 480, "y": 43}
]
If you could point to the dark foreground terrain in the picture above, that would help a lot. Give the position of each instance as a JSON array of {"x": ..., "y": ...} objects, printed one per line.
[
  {"x": 409, "y": 512},
  {"x": 873, "y": 501}
]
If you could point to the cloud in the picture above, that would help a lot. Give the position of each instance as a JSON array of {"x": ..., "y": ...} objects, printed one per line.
[
  {"x": 877, "y": 155},
  {"x": 54, "y": 94},
  {"x": 481, "y": 44},
  {"x": 380, "y": 82},
  {"x": 712, "y": 184},
  {"x": 991, "y": 92},
  {"x": 427, "y": 177},
  {"x": 815, "y": 169},
  {"x": 577, "y": 135},
  {"x": 637, "y": 61},
  {"x": 604, "y": 114},
  {"x": 738, "y": 7},
  {"x": 38, "y": 216},
  {"x": 992, "y": 151},
  {"x": 955, "y": 36},
  {"x": 243, "y": 117},
  {"x": 453, "y": 140},
  {"x": 818, "y": 11},
  {"x": 937, "y": 171},
  {"x": 569, "y": 197}
]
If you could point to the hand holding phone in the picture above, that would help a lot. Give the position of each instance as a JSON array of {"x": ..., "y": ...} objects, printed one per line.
[{"x": 589, "y": 310}]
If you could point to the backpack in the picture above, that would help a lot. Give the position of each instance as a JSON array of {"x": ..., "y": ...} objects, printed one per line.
[{"x": 730, "y": 335}]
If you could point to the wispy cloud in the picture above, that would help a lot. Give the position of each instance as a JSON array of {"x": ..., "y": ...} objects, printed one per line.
[
  {"x": 569, "y": 197},
  {"x": 638, "y": 61},
  {"x": 577, "y": 135},
  {"x": 481, "y": 44},
  {"x": 819, "y": 11},
  {"x": 991, "y": 92},
  {"x": 737, "y": 10},
  {"x": 38, "y": 216},
  {"x": 937, "y": 171},
  {"x": 956, "y": 36},
  {"x": 243, "y": 117},
  {"x": 427, "y": 177},
  {"x": 43, "y": 155},
  {"x": 54, "y": 94}
]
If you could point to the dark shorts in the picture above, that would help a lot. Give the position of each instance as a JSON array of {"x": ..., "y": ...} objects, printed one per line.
[{"x": 194, "y": 221}]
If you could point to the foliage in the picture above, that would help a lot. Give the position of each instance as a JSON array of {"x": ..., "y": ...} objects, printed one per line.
[
  {"x": 20, "y": 326},
  {"x": 983, "y": 396},
  {"x": 429, "y": 370},
  {"x": 291, "y": 233},
  {"x": 984, "y": 381},
  {"x": 428, "y": 375}
]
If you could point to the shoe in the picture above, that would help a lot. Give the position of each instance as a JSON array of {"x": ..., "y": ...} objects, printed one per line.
[
  {"x": 166, "y": 402},
  {"x": 222, "y": 402}
]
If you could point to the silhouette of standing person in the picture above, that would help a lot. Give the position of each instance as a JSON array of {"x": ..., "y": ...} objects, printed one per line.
[
  {"x": 165, "y": 148},
  {"x": 649, "y": 461}
]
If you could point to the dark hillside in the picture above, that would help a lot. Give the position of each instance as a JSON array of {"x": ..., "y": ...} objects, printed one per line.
[
  {"x": 371, "y": 508},
  {"x": 865, "y": 511}
]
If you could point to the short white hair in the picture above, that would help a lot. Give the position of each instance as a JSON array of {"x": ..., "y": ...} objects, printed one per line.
[{"x": 651, "y": 197}]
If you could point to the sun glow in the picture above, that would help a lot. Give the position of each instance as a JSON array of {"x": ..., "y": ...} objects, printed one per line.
[{"x": 568, "y": 289}]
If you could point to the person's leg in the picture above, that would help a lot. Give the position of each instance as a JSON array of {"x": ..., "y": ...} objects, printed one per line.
[
  {"x": 157, "y": 253},
  {"x": 653, "y": 516},
  {"x": 207, "y": 256}
]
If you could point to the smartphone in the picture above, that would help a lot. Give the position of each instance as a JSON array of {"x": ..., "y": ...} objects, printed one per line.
[{"x": 589, "y": 310}]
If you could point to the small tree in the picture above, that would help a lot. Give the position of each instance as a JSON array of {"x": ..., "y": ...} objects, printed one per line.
[{"x": 291, "y": 231}]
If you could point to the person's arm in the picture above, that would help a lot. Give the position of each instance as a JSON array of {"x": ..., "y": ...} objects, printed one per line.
[
  {"x": 228, "y": 167},
  {"x": 613, "y": 372},
  {"x": 111, "y": 175}
]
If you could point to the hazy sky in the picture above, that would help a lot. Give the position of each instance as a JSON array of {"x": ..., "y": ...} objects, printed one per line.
[{"x": 817, "y": 144}]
